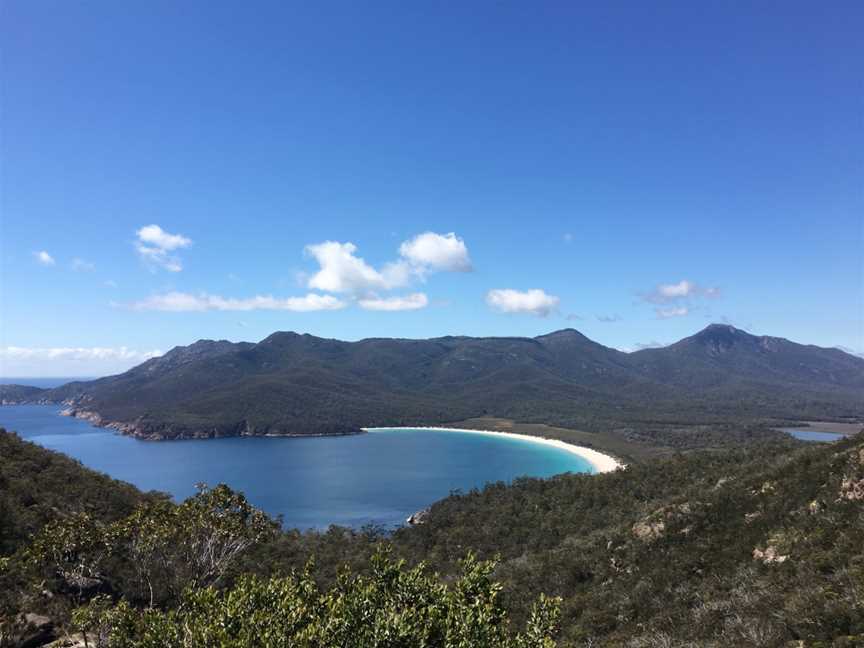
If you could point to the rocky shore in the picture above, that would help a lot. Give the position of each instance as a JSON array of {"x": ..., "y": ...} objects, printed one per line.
[{"x": 149, "y": 431}]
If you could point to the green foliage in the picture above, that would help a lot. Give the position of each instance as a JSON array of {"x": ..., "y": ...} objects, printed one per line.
[
  {"x": 661, "y": 553},
  {"x": 760, "y": 547},
  {"x": 37, "y": 486},
  {"x": 300, "y": 384},
  {"x": 157, "y": 551},
  {"x": 391, "y": 607},
  {"x": 76, "y": 548},
  {"x": 672, "y": 548}
]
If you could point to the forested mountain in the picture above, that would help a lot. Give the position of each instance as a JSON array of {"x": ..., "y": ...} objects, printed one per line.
[
  {"x": 301, "y": 384},
  {"x": 755, "y": 548}
]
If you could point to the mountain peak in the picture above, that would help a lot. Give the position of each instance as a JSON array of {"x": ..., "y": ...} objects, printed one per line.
[
  {"x": 722, "y": 332},
  {"x": 721, "y": 328},
  {"x": 279, "y": 335},
  {"x": 184, "y": 355},
  {"x": 562, "y": 334}
]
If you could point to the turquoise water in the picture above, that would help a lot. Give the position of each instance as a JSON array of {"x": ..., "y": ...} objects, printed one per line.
[
  {"x": 814, "y": 435},
  {"x": 379, "y": 478}
]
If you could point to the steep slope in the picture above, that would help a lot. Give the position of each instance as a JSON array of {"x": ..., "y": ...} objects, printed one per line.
[
  {"x": 38, "y": 485},
  {"x": 723, "y": 364},
  {"x": 760, "y": 547},
  {"x": 721, "y": 352},
  {"x": 301, "y": 384}
]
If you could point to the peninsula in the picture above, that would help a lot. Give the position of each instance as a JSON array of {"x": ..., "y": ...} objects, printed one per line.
[{"x": 292, "y": 384}]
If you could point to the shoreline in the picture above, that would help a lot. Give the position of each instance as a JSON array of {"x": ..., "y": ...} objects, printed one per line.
[{"x": 602, "y": 463}]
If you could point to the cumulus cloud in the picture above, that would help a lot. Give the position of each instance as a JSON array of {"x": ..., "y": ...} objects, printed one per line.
[
  {"x": 678, "y": 299},
  {"x": 156, "y": 246},
  {"x": 533, "y": 302},
  {"x": 399, "y": 303},
  {"x": 342, "y": 271},
  {"x": 185, "y": 302},
  {"x": 433, "y": 252},
  {"x": 676, "y": 292},
  {"x": 672, "y": 311},
  {"x": 157, "y": 237},
  {"x": 44, "y": 258}
]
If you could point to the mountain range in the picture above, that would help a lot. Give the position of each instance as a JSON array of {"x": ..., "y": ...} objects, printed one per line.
[{"x": 292, "y": 384}]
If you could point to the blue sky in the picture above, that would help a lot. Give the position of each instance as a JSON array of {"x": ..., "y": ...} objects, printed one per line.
[{"x": 633, "y": 170}]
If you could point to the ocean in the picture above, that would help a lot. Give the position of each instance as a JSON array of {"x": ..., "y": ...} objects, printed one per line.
[{"x": 378, "y": 478}]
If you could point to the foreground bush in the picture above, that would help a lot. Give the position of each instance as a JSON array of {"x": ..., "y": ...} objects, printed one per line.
[{"x": 392, "y": 606}]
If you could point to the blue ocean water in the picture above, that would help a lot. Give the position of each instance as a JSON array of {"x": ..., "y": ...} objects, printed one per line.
[
  {"x": 44, "y": 383},
  {"x": 814, "y": 435},
  {"x": 381, "y": 477}
]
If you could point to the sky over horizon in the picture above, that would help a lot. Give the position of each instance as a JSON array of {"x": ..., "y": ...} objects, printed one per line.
[{"x": 178, "y": 171}]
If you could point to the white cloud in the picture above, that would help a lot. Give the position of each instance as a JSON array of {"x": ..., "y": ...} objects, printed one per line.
[
  {"x": 185, "y": 302},
  {"x": 78, "y": 353},
  {"x": 342, "y": 271},
  {"x": 677, "y": 292},
  {"x": 157, "y": 237},
  {"x": 155, "y": 246},
  {"x": 44, "y": 258},
  {"x": 533, "y": 302},
  {"x": 672, "y": 311},
  {"x": 70, "y": 361},
  {"x": 400, "y": 303},
  {"x": 673, "y": 291},
  {"x": 80, "y": 265},
  {"x": 639, "y": 346},
  {"x": 431, "y": 252},
  {"x": 653, "y": 344},
  {"x": 679, "y": 299},
  {"x": 608, "y": 319}
]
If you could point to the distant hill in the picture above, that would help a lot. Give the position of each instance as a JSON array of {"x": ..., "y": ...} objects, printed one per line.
[{"x": 302, "y": 384}]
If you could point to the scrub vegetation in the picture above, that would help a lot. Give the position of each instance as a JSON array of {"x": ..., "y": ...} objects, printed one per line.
[
  {"x": 717, "y": 387},
  {"x": 756, "y": 547}
]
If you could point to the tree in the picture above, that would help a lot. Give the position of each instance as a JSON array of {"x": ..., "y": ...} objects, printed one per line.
[
  {"x": 166, "y": 547},
  {"x": 393, "y": 607}
]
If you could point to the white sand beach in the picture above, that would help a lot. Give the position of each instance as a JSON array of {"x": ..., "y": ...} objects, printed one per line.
[{"x": 601, "y": 462}]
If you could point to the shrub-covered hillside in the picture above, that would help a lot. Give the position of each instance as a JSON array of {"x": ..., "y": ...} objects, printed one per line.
[
  {"x": 37, "y": 486},
  {"x": 763, "y": 547},
  {"x": 302, "y": 384},
  {"x": 750, "y": 548}
]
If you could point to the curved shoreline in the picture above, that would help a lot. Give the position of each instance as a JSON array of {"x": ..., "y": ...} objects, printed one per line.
[{"x": 601, "y": 463}]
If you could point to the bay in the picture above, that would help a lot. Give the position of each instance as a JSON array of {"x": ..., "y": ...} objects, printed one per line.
[
  {"x": 813, "y": 435},
  {"x": 377, "y": 478}
]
